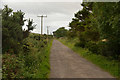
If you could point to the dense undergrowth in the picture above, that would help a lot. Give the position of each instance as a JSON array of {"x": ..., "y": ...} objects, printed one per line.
[
  {"x": 107, "y": 64},
  {"x": 33, "y": 62},
  {"x": 24, "y": 54}
]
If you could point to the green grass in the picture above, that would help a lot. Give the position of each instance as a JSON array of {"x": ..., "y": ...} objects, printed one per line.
[
  {"x": 37, "y": 62},
  {"x": 0, "y": 65},
  {"x": 106, "y": 64},
  {"x": 44, "y": 68}
]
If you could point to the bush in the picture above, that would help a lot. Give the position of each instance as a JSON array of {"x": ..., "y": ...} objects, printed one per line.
[
  {"x": 11, "y": 66},
  {"x": 92, "y": 46},
  {"x": 80, "y": 44},
  {"x": 108, "y": 50}
]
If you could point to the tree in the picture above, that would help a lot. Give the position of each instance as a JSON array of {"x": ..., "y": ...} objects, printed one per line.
[
  {"x": 12, "y": 32},
  {"x": 82, "y": 26},
  {"x": 30, "y": 27},
  {"x": 61, "y": 32},
  {"x": 108, "y": 23},
  {"x": 98, "y": 21}
]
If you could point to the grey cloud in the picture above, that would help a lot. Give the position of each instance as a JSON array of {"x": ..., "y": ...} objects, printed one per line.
[
  {"x": 59, "y": 13},
  {"x": 42, "y": 0},
  {"x": 45, "y": 7}
]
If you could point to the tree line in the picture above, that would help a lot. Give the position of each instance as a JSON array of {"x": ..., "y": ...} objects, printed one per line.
[{"x": 97, "y": 26}]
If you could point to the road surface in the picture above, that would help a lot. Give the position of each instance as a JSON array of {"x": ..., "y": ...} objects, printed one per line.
[{"x": 67, "y": 64}]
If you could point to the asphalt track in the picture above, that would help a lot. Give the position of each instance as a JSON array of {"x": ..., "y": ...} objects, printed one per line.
[{"x": 67, "y": 64}]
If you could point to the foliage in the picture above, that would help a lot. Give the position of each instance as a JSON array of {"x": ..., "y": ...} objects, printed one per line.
[
  {"x": 30, "y": 27},
  {"x": 74, "y": 28},
  {"x": 94, "y": 23},
  {"x": 11, "y": 66},
  {"x": 92, "y": 46},
  {"x": 80, "y": 44},
  {"x": 107, "y": 64},
  {"x": 97, "y": 26},
  {"x": 37, "y": 58},
  {"x": 61, "y": 32},
  {"x": 108, "y": 22},
  {"x": 0, "y": 33},
  {"x": 25, "y": 55},
  {"x": 12, "y": 32},
  {"x": 32, "y": 63}
]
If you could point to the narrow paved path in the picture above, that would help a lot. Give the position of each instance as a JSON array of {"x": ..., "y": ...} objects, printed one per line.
[{"x": 67, "y": 64}]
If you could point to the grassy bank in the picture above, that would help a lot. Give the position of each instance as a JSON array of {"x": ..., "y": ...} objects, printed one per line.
[
  {"x": 43, "y": 61},
  {"x": 111, "y": 66},
  {"x": 32, "y": 62}
]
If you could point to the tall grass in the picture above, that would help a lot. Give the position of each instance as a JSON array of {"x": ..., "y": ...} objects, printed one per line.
[
  {"x": 40, "y": 67},
  {"x": 44, "y": 68},
  {"x": 111, "y": 66}
]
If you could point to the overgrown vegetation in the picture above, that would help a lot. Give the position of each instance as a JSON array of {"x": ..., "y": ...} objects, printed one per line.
[
  {"x": 111, "y": 66},
  {"x": 32, "y": 63},
  {"x": 25, "y": 54},
  {"x": 97, "y": 29}
]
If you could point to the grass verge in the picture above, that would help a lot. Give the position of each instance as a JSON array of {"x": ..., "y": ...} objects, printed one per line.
[
  {"x": 111, "y": 66},
  {"x": 44, "y": 68}
]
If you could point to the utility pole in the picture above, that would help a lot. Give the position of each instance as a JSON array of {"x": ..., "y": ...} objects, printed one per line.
[
  {"x": 41, "y": 16},
  {"x": 47, "y": 32}
]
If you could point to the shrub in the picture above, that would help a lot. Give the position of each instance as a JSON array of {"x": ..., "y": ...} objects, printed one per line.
[
  {"x": 80, "y": 44},
  {"x": 92, "y": 46},
  {"x": 108, "y": 50},
  {"x": 11, "y": 66}
]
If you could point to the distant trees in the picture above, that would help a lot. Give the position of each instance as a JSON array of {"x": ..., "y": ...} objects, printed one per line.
[
  {"x": 12, "y": 32},
  {"x": 95, "y": 22},
  {"x": 61, "y": 32}
]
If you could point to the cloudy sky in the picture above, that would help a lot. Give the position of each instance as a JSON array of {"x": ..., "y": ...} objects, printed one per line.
[{"x": 59, "y": 12}]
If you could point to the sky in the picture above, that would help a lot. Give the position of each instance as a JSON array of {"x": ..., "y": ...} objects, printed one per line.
[{"x": 59, "y": 12}]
